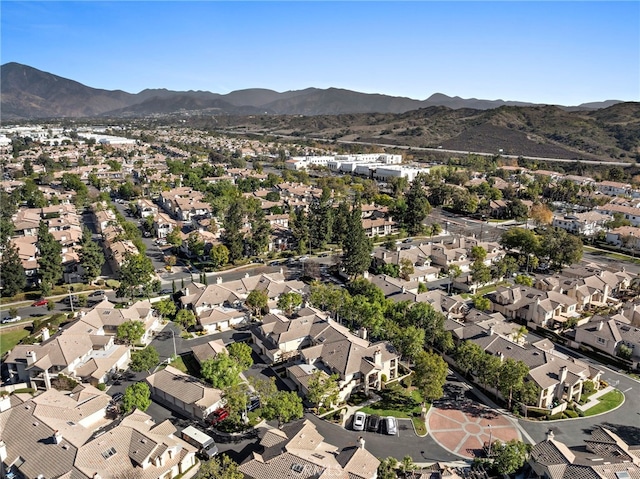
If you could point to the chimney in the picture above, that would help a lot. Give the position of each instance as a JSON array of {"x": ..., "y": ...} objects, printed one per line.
[
  {"x": 31, "y": 358},
  {"x": 3, "y": 451},
  {"x": 600, "y": 325},
  {"x": 550, "y": 435},
  {"x": 5, "y": 403},
  {"x": 97, "y": 476},
  {"x": 45, "y": 334},
  {"x": 563, "y": 373},
  {"x": 57, "y": 437},
  {"x": 361, "y": 442},
  {"x": 281, "y": 270},
  {"x": 491, "y": 330},
  {"x": 219, "y": 280},
  {"x": 363, "y": 333},
  {"x": 246, "y": 275},
  {"x": 377, "y": 357}
]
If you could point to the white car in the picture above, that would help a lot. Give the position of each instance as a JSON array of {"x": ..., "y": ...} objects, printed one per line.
[
  {"x": 11, "y": 320},
  {"x": 391, "y": 425},
  {"x": 359, "y": 420}
]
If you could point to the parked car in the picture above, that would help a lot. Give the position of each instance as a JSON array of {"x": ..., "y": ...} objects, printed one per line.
[
  {"x": 97, "y": 293},
  {"x": 166, "y": 291},
  {"x": 253, "y": 404},
  {"x": 11, "y": 319},
  {"x": 373, "y": 423},
  {"x": 390, "y": 425},
  {"x": 359, "y": 420},
  {"x": 218, "y": 416},
  {"x": 41, "y": 302},
  {"x": 117, "y": 397}
]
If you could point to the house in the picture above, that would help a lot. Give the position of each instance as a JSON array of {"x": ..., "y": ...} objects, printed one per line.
[
  {"x": 586, "y": 224},
  {"x": 613, "y": 188},
  {"x": 299, "y": 450},
  {"x": 379, "y": 227},
  {"x": 209, "y": 350},
  {"x": 111, "y": 318},
  {"x": 183, "y": 393},
  {"x": 608, "y": 334},
  {"x": 625, "y": 236},
  {"x": 315, "y": 340},
  {"x": 605, "y": 456},
  {"x": 81, "y": 351}
]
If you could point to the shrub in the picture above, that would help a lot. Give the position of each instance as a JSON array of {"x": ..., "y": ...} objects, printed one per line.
[
  {"x": 570, "y": 413},
  {"x": 102, "y": 386},
  {"x": 24, "y": 390},
  {"x": 406, "y": 382}
]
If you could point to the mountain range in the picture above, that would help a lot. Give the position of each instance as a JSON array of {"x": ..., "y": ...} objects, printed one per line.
[{"x": 29, "y": 93}]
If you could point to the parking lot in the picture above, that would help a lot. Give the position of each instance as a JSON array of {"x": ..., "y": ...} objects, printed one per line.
[{"x": 404, "y": 428}]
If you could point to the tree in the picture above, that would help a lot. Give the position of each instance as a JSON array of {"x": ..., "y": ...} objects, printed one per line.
[
  {"x": 624, "y": 352},
  {"x": 287, "y": 302},
  {"x": 174, "y": 238},
  {"x": 219, "y": 255},
  {"x": 541, "y": 214},
  {"x": 235, "y": 397},
  {"x": 356, "y": 247},
  {"x": 136, "y": 272},
  {"x": 260, "y": 232},
  {"x": 509, "y": 457},
  {"x": 488, "y": 371},
  {"x": 219, "y": 467},
  {"x": 468, "y": 356},
  {"x": 284, "y": 406},
  {"x": 49, "y": 259},
  {"x": 165, "y": 308},
  {"x": 14, "y": 279},
  {"x": 478, "y": 253},
  {"x": 144, "y": 359},
  {"x": 264, "y": 388},
  {"x": 409, "y": 341},
  {"x": 524, "y": 280},
  {"x": 319, "y": 224},
  {"x": 430, "y": 372},
  {"x": 136, "y": 396},
  {"x": 257, "y": 301},
  {"x": 560, "y": 247},
  {"x": 170, "y": 261},
  {"x": 512, "y": 374},
  {"x": 417, "y": 207},
  {"x": 195, "y": 244},
  {"x": 529, "y": 394},
  {"x": 406, "y": 269},
  {"x": 323, "y": 389},
  {"x": 91, "y": 257},
  {"x": 241, "y": 352},
  {"x": 185, "y": 318},
  {"x": 481, "y": 303},
  {"x": 387, "y": 468},
  {"x": 131, "y": 332},
  {"x": 233, "y": 237},
  {"x": 480, "y": 272},
  {"x": 453, "y": 272},
  {"x": 221, "y": 371}
]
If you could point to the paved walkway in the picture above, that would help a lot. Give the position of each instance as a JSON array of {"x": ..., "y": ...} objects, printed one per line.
[
  {"x": 464, "y": 427},
  {"x": 594, "y": 398}
]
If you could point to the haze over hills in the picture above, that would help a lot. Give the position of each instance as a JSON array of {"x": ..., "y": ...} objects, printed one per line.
[{"x": 28, "y": 93}]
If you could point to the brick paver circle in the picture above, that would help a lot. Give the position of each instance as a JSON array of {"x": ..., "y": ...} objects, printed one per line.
[{"x": 463, "y": 428}]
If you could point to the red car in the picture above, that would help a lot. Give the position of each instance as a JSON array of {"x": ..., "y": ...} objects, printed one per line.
[
  {"x": 41, "y": 302},
  {"x": 218, "y": 416}
]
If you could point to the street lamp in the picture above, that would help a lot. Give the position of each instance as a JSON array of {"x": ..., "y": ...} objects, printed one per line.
[{"x": 490, "y": 439}]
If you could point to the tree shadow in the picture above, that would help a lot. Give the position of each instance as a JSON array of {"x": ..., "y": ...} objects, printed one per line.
[{"x": 629, "y": 434}]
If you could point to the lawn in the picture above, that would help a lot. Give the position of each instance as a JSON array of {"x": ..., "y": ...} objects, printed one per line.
[
  {"x": 187, "y": 364},
  {"x": 8, "y": 339},
  {"x": 399, "y": 402},
  {"x": 612, "y": 255},
  {"x": 607, "y": 402}
]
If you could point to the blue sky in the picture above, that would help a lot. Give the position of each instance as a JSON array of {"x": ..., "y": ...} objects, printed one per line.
[{"x": 545, "y": 52}]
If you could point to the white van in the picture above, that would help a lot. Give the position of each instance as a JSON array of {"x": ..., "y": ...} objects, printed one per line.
[{"x": 205, "y": 444}]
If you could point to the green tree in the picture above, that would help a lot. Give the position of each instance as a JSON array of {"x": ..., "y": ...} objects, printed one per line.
[
  {"x": 289, "y": 301},
  {"x": 49, "y": 259},
  {"x": 356, "y": 247},
  {"x": 233, "y": 237},
  {"x": 417, "y": 207},
  {"x": 488, "y": 371},
  {"x": 14, "y": 279},
  {"x": 512, "y": 374},
  {"x": 266, "y": 389},
  {"x": 137, "y": 396},
  {"x": 409, "y": 341},
  {"x": 144, "y": 359},
  {"x": 235, "y": 397},
  {"x": 468, "y": 356},
  {"x": 195, "y": 244},
  {"x": 319, "y": 224},
  {"x": 299, "y": 222},
  {"x": 509, "y": 457},
  {"x": 91, "y": 257},
  {"x": 406, "y": 269},
  {"x": 560, "y": 248},
  {"x": 481, "y": 303},
  {"x": 131, "y": 332},
  {"x": 478, "y": 253},
  {"x": 219, "y": 255},
  {"x": 174, "y": 238},
  {"x": 387, "y": 468},
  {"x": 257, "y": 301},
  {"x": 524, "y": 280},
  {"x": 260, "y": 232},
  {"x": 453, "y": 272},
  {"x": 219, "y": 467},
  {"x": 528, "y": 394},
  {"x": 135, "y": 273},
  {"x": 480, "y": 272},
  {"x": 185, "y": 318},
  {"x": 323, "y": 389},
  {"x": 166, "y": 308},
  {"x": 284, "y": 406},
  {"x": 221, "y": 371},
  {"x": 241, "y": 352},
  {"x": 430, "y": 374}
]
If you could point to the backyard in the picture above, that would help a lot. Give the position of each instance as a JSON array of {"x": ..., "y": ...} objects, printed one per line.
[
  {"x": 402, "y": 403},
  {"x": 8, "y": 339}
]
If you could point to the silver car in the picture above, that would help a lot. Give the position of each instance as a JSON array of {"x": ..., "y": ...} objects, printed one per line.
[
  {"x": 359, "y": 420},
  {"x": 391, "y": 425}
]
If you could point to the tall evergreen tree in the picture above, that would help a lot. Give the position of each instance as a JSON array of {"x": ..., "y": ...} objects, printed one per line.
[
  {"x": 91, "y": 257},
  {"x": 356, "y": 246},
  {"x": 299, "y": 222},
  {"x": 319, "y": 224},
  {"x": 339, "y": 223},
  {"x": 49, "y": 259},
  {"x": 13, "y": 278},
  {"x": 260, "y": 232},
  {"x": 418, "y": 207},
  {"x": 233, "y": 236}
]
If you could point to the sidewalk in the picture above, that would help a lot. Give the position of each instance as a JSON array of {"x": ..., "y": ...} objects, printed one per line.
[{"x": 593, "y": 399}]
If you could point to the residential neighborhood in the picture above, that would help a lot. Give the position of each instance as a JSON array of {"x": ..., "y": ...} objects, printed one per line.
[{"x": 312, "y": 310}]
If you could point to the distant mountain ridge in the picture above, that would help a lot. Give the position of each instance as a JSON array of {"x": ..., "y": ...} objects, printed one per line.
[{"x": 29, "y": 93}]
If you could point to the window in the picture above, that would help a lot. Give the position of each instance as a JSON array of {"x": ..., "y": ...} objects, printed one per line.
[
  {"x": 297, "y": 468},
  {"x": 108, "y": 453},
  {"x": 601, "y": 340}
]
